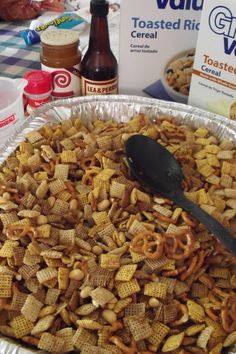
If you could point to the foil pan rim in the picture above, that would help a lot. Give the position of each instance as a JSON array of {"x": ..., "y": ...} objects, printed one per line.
[{"x": 39, "y": 117}]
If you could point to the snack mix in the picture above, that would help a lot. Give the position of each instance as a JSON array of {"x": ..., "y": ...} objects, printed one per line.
[
  {"x": 93, "y": 263},
  {"x": 179, "y": 73}
]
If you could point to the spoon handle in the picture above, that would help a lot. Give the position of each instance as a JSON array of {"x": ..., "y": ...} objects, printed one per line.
[{"x": 223, "y": 235}]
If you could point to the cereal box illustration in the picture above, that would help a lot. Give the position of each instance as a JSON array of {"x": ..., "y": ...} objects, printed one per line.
[
  {"x": 157, "y": 47},
  {"x": 213, "y": 85}
]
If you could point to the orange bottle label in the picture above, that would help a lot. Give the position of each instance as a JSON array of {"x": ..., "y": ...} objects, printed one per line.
[{"x": 106, "y": 87}]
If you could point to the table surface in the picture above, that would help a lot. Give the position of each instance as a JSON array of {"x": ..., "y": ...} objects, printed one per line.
[{"x": 15, "y": 57}]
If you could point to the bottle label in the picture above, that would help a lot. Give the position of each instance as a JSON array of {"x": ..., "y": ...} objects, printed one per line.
[
  {"x": 65, "y": 82},
  {"x": 107, "y": 87}
]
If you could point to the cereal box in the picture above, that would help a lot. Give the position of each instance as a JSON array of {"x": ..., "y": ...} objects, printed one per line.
[
  {"x": 213, "y": 85},
  {"x": 157, "y": 46}
]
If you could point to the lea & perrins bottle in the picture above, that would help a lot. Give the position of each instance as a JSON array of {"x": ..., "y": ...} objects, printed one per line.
[{"x": 99, "y": 68}]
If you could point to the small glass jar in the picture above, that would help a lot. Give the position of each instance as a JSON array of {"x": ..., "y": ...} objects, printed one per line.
[
  {"x": 61, "y": 57},
  {"x": 38, "y": 90}
]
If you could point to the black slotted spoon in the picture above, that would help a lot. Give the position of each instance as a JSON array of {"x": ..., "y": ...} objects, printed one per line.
[{"x": 154, "y": 166}]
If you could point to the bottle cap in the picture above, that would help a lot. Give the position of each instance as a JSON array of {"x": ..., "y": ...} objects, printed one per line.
[
  {"x": 38, "y": 82},
  {"x": 99, "y": 7},
  {"x": 59, "y": 37}
]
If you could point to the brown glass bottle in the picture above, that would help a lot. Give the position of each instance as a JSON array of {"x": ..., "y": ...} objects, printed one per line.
[{"x": 99, "y": 66}]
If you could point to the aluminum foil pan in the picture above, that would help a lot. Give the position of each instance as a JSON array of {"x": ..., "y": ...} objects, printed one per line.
[{"x": 119, "y": 108}]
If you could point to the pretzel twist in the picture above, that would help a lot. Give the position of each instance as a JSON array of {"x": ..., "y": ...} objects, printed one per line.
[
  {"x": 87, "y": 162},
  {"x": 179, "y": 246},
  {"x": 16, "y": 232},
  {"x": 149, "y": 243},
  {"x": 189, "y": 220}
]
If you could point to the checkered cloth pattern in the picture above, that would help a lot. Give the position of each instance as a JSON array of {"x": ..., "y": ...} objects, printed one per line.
[{"x": 15, "y": 57}]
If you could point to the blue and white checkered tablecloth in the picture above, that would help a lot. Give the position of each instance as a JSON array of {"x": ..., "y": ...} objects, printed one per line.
[{"x": 15, "y": 57}]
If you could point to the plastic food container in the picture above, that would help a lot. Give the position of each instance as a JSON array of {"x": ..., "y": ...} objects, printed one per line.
[
  {"x": 11, "y": 106},
  {"x": 119, "y": 108}
]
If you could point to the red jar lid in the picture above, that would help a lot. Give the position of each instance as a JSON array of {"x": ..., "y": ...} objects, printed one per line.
[{"x": 38, "y": 82}]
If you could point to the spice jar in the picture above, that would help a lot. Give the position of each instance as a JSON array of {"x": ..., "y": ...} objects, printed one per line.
[
  {"x": 38, "y": 90},
  {"x": 61, "y": 56}
]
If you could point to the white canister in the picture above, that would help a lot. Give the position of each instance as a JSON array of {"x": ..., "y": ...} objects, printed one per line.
[{"x": 11, "y": 106}]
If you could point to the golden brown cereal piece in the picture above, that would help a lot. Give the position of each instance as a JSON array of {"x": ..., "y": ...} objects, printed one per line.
[
  {"x": 154, "y": 289},
  {"x": 101, "y": 218},
  {"x": 18, "y": 299},
  {"x": 136, "y": 257},
  {"x": 110, "y": 261},
  {"x": 8, "y": 219},
  {"x": 122, "y": 304},
  {"x": 31, "y": 308},
  {"x": 86, "y": 309},
  {"x": 60, "y": 207},
  {"x": 170, "y": 284},
  {"x": 27, "y": 271},
  {"x": 173, "y": 342},
  {"x": 7, "y": 250},
  {"x": 100, "y": 277},
  {"x": 67, "y": 237},
  {"x": 63, "y": 278},
  {"x": 157, "y": 263},
  {"x": 44, "y": 231},
  {"x": 218, "y": 329},
  {"x": 199, "y": 290},
  {"x": 87, "y": 349},
  {"x": 43, "y": 324},
  {"x": 82, "y": 337},
  {"x": 21, "y": 326},
  {"x": 67, "y": 334},
  {"x": 230, "y": 339},
  {"x": 117, "y": 189},
  {"x": 194, "y": 329},
  {"x": 217, "y": 349},
  {"x": 5, "y": 286},
  {"x": 89, "y": 324},
  {"x": 135, "y": 309},
  {"x": 128, "y": 288},
  {"x": 46, "y": 274},
  {"x": 34, "y": 137},
  {"x": 139, "y": 327},
  {"x": 136, "y": 227},
  {"x": 159, "y": 333},
  {"x": 68, "y": 156},
  {"x": 218, "y": 272},
  {"x": 51, "y": 343},
  {"x": 61, "y": 172},
  {"x": 56, "y": 186},
  {"x": 170, "y": 313},
  {"x": 204, "y": 337},
  {"x": 196, "y": 311}
]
